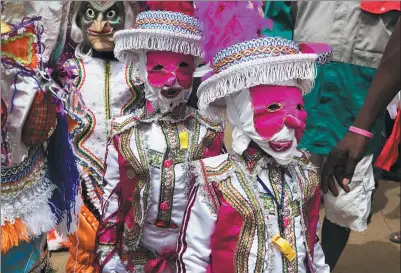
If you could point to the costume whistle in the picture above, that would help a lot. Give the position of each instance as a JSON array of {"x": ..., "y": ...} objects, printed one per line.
[{"x": 284, "y": 247}]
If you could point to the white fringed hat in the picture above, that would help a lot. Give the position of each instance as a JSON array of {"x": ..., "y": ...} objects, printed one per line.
[
  {"x": 249, "y": 61},
  {"x": 170, "y": 29}
]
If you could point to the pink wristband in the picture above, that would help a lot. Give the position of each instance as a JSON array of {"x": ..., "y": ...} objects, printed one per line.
[{"x": 360, "y": 132}]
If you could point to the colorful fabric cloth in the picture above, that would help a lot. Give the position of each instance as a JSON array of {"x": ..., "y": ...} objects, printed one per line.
[
  {"x": 147, "y": 185},
  {"x": 32, "y": 201},
  {"x": 99, "y": 91},
  {"x": 233, "y": 214},
  {"x": 29, "y": 257}
]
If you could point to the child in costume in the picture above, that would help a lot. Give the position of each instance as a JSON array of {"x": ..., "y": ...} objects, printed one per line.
[
  {"x": 103, "y": 88},
  {"x": 146, "y": 166},
  {"x": 253, "y": 210},
  {"x": 39, "y": 178},
  {"x": 342, "y": 84}
]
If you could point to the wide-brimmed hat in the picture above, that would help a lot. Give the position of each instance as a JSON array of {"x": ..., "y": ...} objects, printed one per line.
[
  {"x": 248, "y": 62},
  {"x": 172, "y": 29}
]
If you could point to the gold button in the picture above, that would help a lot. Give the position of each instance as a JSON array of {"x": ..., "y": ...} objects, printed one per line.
[{"x": 131, "y": 173}]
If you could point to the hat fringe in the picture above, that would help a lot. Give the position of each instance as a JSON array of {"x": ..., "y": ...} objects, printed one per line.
[
  {"x": 253, "y": 73},
  {"x": 127, "y": 43}
]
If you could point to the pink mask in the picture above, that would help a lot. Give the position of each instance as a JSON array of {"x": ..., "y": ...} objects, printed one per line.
[
  {"x": 276, "y": 106},
  {"x": 170, "y": 71}
]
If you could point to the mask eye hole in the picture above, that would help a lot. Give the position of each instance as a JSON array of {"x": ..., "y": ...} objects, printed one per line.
[
  {"x": 90, "y": 14},
  {"x": 183, "y": 64},
  {"x": 157, "y": 68},
  {"x": 274, "y": 107},
  {"x": 111, "y": 14},
  {"x": 300, "y": 107}
]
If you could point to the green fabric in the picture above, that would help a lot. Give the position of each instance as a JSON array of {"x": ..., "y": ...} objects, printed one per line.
[
  {"x": 340, "y": 90},
  {"x": 332, "y": 106},
  {"x": 280, "y": 13}
]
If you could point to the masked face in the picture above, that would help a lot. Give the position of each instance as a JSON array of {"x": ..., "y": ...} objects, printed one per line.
[
  {"x": 99, "y": 20},
  {"x": 272, "y": 116},
  {"x": 275, "y": 107},
  {"x": 169, "y": 79}
]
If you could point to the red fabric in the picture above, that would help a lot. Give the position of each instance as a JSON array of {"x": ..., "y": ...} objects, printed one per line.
[
  {"x": 125, "y": 190},
  {"x": 184, "y": 7},
  {"x": 41, "y": 120},
  {"x": 160, "y": 264},
  {"x": 389, "y": 154},
  {"x": 380, "y": 7},
  {"x": 3, "y": 112},
  {"x": 225, "y": 237},
  {"x": 214, "y": 148},
  {"x": 313, "y": 218}
]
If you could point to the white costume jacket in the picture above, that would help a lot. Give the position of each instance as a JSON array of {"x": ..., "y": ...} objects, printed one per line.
[
  {"x": 104, "y": 89},
  {"x": 147, "y": 186},
  {"x": 230, "y": 218}
]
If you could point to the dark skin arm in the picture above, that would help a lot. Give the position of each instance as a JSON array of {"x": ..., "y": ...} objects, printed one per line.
[{"x": 343, "y": 159}]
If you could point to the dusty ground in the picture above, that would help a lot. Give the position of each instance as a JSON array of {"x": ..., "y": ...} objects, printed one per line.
[{"x": 366, "y": 252}]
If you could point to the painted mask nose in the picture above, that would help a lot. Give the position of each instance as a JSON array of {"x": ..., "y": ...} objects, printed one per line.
[
  {"x": 294, "y": 123},
  {"x": 171, "y": 80}
]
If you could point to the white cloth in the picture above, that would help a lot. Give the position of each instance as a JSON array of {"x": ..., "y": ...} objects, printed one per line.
[
  {"x": 352, "y": 209},
  {"x": 25, "y": 89},
  {"x": 240, "y": 115},
  {"x": 102, "y": 91},
  {"x": 392, "y": 108}
]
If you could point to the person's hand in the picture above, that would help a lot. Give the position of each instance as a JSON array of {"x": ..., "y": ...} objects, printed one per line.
[{"x": 341, "y": 162}]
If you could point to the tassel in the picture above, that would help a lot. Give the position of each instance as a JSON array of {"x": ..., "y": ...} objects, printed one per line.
[
  {"x": 12, "y": 234},
  {"x": 63, "y": 171}
]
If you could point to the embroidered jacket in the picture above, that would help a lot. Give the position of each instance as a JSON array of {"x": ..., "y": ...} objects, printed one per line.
[
  {"x": 99, "y": 91},
  {"x": 232, "y": 216},
  {"x": 146, "y": 186}
]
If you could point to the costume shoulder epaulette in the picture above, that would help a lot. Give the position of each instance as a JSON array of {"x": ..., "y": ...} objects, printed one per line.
[
  {"x": 123, "y": 123},
  {"x": 212, "y": 169},
  {"x": 216, "y": 126}
]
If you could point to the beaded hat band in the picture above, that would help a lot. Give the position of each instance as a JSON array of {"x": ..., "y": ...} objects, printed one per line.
[{"x": 162, "y": 31}]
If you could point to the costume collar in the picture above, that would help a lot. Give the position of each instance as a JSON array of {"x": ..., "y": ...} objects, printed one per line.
[{"x": 150, "y": 114}]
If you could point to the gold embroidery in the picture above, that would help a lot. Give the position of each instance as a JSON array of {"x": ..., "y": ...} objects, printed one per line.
[
  {"x": 170, "y": 132},
  {"x": 252, "y": 216},
  {"x": 132, "y": 235}
]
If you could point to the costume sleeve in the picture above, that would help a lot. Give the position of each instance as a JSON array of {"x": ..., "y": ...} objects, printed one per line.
[
  {"x": 194, "y": 243},
  {"x": 107, "y": 232},
  {"x": 283, "y": 23}
]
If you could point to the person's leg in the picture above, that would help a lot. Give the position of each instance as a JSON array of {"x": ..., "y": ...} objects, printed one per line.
[{"x": 334, "y": 240}]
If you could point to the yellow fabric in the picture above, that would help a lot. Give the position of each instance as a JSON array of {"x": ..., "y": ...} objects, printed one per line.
[
  {"x": 5, "y": 28},
  {"x": 184, "y": 139}
]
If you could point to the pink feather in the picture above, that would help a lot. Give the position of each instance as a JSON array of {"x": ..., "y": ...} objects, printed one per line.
[{"x": 226, "y": 23}]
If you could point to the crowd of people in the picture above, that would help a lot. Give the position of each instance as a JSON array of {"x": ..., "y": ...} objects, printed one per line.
[{"x": 114, "y": 118}]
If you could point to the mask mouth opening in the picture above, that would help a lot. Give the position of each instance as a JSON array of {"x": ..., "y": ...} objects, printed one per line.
[
  {"x": 280, "y": 146},
  {"x": 100, "y": 33},
  {"x": 171, "y": 93}
]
